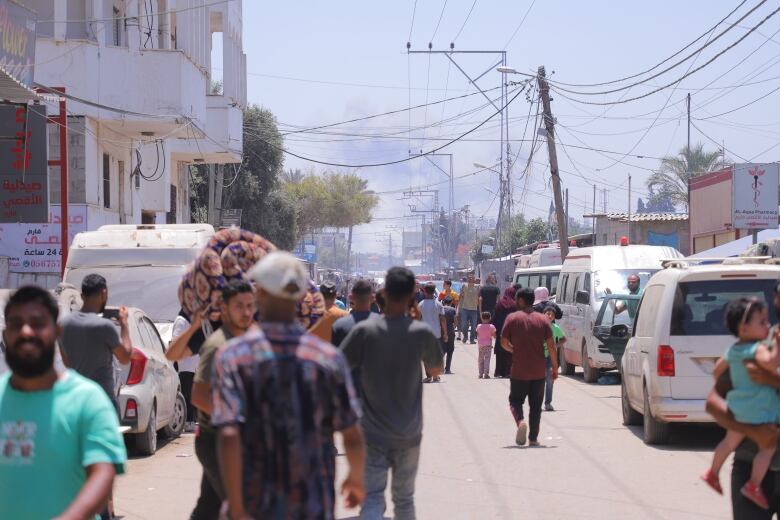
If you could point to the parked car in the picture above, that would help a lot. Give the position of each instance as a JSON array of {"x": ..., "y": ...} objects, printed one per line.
[
  {"x": 678, "y": 336},
  {"x": 587, "y": 276},
  {"x": 149, "y": 391}
]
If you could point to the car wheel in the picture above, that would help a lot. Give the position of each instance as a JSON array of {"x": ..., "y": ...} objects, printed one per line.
[
  {"x": 655, "y": 431},
  {"x": 174, "y": 428},
  {"x": 567, "y": 368},
  {"x": 146, "y": 442},
  {"x": 630, "y": 416},
  {"x": 590, "y": 374}
]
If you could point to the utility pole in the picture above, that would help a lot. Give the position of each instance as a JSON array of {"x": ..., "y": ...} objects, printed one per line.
[
  {"x": 688, "y": 150},
  {"x": 630, "y": 241},
  {"x": 549, "y": 125},
  {"x": 567, "y": 205},
  {"x": 594, "y": 214},
  {"x": 218, "y": 195}
]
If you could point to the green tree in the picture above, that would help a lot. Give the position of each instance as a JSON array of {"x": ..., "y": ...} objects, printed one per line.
[
  {"x": 311, "y": 201},
  {"x": 671, "y": 179},
  {"x": 350, "y": 203}
]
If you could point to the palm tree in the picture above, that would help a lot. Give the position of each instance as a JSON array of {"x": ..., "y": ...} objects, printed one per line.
[{"x": 671, "y": 179}]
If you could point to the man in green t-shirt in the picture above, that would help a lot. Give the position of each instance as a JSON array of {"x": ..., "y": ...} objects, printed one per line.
[
  {"x": 560, "y": 339},
  {"x": 237, "y": 310},
  {"x": 58, "y": 430}
]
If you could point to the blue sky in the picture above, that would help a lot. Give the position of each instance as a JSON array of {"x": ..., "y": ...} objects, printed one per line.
[{"x": 314, "y": 63}]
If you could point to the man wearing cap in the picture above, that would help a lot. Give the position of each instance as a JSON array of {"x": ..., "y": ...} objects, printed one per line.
[
  {"x": 323, "y": 329},
  {"x": 279, "y": 395}
]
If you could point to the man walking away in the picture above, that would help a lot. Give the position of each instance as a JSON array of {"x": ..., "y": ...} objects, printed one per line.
[
  {"x": 432, "y": 313},
  {"x": 62, "y": 446},
  {"x": 468, "y": 309},
  {"x": 323, "y": 329},
  {"x": 449, "y": 345},
  {"x": 237, "y": 310},
  {"x": 389, "y": 350},
  {"x": 361, "y": 300},
  {"x": 89, "y": 342},
  {"x": 488, "y": 295},
  {"x": 279, "y": 395},
  {"x": 525, "y": 335}
]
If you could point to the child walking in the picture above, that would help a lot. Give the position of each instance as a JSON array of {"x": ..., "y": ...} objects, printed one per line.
[
  {"x": 560, "y": 339},
  {"x": 751, "y": 403},
  {"x": 486, "y": 332}
]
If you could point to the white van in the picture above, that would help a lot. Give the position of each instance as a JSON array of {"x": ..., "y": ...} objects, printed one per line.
[
  {"x": 679, "y": 334},
  {"x": 534, "y": 277},
  {"x": 142, "y": 265},
  {"x": 586, "y": 276}
]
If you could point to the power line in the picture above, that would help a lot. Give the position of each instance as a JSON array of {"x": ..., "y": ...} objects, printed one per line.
[
  {"x": 439, "y": 22},
  {"x": 717, "y": 143},
  {"x": 114, "y": 18},
  {"x": 522, "y": 21},
  {"x": 389, "y": 113},
  {"x": 465, "y": 21},
  {"x": 697, "y": 69},
  {"x": 398, "y": 161},
  {"x": 710, "y": 30},
  {"x": 336, "y": 83},
  {"x": 411, "y": 27}
]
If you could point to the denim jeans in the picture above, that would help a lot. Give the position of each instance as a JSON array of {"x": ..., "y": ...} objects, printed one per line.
[
  {"x": 548, "y": 383},
  {"x": 468, "y": 321},
  {"x": 403, "y": 464}
]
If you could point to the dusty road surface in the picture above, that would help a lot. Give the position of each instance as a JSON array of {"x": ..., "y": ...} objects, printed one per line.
[{"x": 591, "y": 466}]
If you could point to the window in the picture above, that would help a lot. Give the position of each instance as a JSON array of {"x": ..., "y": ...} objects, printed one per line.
[
  {"x": 522, "y": 280},
  {"x": 106, "y": 181},
  {"x": 148, "y": 217},
  {"x": 699, "y": 307},
  {"x": 156, "y": 342},
  {"x": 586, "y": 283},
  {"x": 117, "y": 27},
  {"x": 534, "y": 281},
  {"x": 552, "y": 284},
  {"x": 571, "y": 288},
  {"x": 648, "y": 308},
  {"x": 170, "y": 217},
  {"x": 562, "y": 283}
]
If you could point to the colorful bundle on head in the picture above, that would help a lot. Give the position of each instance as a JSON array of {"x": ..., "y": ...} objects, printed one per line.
[{"x": 228, "y": 256}]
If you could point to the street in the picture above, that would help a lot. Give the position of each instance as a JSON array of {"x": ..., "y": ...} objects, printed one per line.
[{"x": 591, "y": 466}]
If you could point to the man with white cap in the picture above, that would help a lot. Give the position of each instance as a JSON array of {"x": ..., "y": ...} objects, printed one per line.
[{"x": 279, "y": 395}]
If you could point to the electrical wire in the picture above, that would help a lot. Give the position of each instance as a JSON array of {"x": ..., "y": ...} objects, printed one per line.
[
  {"x": 335, "y": 83},
  {"x": 465, "y": 21},
  {"x": 389, "y": 113},
  {"x": 678, "y": 80},
  {"x": 708, "y": 31},
  {"x": 114, "y": 18},
  {"x": 435, "y": 31},
  {"x": 522, "y": 21},
  {"x": 717, "y": 143},
  {"x": 411, "y": 27}
]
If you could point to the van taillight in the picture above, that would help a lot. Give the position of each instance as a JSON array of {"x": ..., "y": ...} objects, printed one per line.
[
  {"x": 137, "y": 367},
  {"x": 131, "y": 410},
  {"x": 665, "y": 361}
]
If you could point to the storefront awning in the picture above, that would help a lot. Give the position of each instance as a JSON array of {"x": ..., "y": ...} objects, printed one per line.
[{"x": 12, "y": 90}]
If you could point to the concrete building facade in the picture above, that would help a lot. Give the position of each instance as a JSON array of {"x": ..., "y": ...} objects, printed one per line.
[
  {"x": 151, "y": 88},
  {"x": 661, "y": 229}
]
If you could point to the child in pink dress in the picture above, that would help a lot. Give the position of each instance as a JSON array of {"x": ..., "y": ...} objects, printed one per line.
[{"x": 486, "y": 332}]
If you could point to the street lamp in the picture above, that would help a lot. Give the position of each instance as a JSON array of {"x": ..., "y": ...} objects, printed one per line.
[{"x": 507, "y": 70}]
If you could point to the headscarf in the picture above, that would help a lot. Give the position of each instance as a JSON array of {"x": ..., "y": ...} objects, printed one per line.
[{"x": 507, "y": 302}]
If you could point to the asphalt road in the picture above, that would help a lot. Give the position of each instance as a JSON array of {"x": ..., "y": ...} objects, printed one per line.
[{"x": 590, "y": 465}]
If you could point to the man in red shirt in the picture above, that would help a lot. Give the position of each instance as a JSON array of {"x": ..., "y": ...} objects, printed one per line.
[{"x": 525, "y": 334}]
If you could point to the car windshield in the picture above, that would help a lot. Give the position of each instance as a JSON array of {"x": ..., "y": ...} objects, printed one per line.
[
  {"x": 153, "y": 289},
  {"x": 699, "y": 307},
  {"x": 616, "y": 281}
]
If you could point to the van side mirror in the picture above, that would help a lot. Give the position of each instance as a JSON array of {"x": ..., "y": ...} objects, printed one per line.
[{"x": 582, "y": 297}]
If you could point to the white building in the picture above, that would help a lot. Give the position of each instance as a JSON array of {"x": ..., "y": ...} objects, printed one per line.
[{"x": 146, "y": 97}]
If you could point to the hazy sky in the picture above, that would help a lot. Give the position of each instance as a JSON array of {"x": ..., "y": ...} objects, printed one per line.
[{"x": 316, "y": 63}]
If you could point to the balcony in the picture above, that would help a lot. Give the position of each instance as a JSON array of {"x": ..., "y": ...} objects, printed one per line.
[{"x": 164, "y": 83}]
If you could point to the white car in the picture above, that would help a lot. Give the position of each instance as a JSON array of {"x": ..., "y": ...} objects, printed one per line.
[
  {"x": 149, "y": 391},
  {"x": 679, "y": 334}
]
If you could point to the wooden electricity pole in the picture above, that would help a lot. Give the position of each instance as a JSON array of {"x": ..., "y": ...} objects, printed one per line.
[{"x": 549, "y": 125}]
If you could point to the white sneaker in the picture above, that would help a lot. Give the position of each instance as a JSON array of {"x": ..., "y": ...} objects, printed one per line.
[{"x": 522, "y": 433}]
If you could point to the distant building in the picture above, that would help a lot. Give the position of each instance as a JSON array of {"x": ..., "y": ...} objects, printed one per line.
[
  {"x": 710, "y": 210},
  {"x": 654, "y": 229}
]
